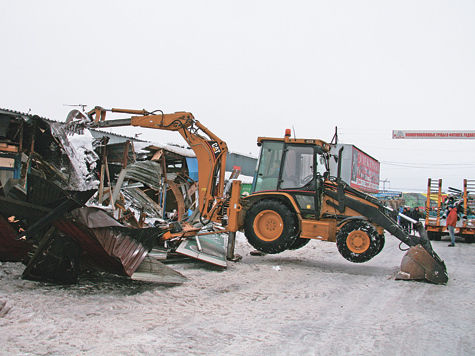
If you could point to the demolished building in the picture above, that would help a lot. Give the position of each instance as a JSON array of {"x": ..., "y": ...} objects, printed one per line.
[{"x": 71, "y": 202}]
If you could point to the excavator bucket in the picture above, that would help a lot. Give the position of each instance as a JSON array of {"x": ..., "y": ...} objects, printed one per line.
[{"x": 418, "y": 264}]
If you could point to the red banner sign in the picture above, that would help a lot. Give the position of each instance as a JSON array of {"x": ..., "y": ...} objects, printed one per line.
[
  {"x": 364, "y": 172},
  {"x": 450, "y": 134}
]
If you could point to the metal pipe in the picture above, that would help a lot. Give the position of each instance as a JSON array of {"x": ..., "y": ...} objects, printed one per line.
[
  {"x": 112, "y": 123},
  {"x": 408, "y": 218},
  {"x": 339, "y": 164},
  {"x": 231, "y": 245},
  {"x": 198, "y": 244}
]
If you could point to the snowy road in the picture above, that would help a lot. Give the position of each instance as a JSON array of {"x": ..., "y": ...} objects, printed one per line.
[{"x": 315, "y": 303}]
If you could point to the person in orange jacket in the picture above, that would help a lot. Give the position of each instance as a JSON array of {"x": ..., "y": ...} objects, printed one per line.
[{"x": 451, "y": 222}]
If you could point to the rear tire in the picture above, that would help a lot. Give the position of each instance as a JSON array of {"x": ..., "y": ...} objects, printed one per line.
[
  {"x": 358, "y": 241},
  {"x": 270, "y": 226},
  {"x": 468, "y": 238},
  {"x": 434, "y": 235}
]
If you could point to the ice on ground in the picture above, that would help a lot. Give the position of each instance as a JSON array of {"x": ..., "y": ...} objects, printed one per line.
[{"x": 317, "y": 304}]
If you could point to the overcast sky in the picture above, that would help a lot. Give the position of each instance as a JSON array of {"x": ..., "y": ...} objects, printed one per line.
[{"x": 254, "y": 68}]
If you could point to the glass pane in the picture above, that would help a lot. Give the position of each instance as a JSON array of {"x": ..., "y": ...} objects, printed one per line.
[
  {"x": 298, "y": 167},
  {"x": 306, "y": 202},
  {"x": 269, "y": 166},
  {"x": 320, "y": 161}
]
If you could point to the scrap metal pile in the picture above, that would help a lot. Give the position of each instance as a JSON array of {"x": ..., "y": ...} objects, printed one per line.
[{"x": 70, "y": 202}]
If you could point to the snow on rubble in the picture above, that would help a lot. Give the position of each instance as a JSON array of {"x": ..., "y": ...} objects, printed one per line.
[{"x": 84, "y": 159}]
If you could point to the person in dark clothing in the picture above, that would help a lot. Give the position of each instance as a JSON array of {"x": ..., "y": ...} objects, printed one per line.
[
  {"x": 416, "y": 215},
  {"x": 404, "y": 223}
]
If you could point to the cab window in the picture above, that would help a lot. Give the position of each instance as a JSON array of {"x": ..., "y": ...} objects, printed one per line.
[
  {"x": 267, "y": 175},
  {"x": 298, "y": 167}
]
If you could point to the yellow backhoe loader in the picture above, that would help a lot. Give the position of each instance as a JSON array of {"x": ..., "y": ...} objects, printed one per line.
[{"x": 293, "y": 199}]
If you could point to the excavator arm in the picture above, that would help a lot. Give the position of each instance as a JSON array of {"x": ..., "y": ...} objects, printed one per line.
[
  {"x": 421, "y": 261},
  {"x": 209, "y": 149}
]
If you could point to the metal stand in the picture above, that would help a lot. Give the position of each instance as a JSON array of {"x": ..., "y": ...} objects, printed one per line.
[{"x": 230, "y": 256}]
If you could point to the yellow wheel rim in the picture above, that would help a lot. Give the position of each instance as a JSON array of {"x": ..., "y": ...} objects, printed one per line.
[
  {"x": 358, "y": 241},
  {"x": 268, "y": 225}
]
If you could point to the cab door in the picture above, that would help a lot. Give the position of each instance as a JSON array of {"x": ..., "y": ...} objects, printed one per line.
[
  {"x": 268, "y": 167},
  {"x": 300, "y": 179}
]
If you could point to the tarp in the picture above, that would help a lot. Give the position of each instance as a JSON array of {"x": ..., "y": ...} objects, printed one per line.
[{"x": 192, "y": 168}]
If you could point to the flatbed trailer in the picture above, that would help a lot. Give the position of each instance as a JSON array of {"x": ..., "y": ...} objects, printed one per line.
[{"x": 435, "y": 221}]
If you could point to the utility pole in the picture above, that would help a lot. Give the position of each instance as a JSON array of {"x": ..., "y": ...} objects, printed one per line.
[{"x": 384, "y": 181}]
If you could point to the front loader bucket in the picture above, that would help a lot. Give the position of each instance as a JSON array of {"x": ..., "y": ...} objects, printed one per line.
[{"x": 419, "y": 264}]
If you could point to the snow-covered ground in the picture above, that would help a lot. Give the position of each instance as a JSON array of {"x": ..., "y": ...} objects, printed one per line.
[{"x": 305, "y": 302}]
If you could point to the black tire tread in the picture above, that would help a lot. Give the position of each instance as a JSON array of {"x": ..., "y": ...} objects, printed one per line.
[
  {"x": 381, "y": 241},
  {"x": 469, "y": 238},
  {"x": 434, "y": 235},
  {"x": 288, "y": 236},
  {"x": 376, "y": 244},
  {"x": 299, "y": 243}
]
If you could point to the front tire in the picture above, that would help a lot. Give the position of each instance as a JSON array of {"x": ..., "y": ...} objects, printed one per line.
[
  {"x": 358, "y": 241},
  {"x": 270, "y": 226}
]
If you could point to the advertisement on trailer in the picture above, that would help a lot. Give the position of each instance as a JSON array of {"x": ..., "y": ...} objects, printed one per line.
[{"x": 364, "y": 171}]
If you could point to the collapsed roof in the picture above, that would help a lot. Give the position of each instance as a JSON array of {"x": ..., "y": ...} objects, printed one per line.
[{"x": 70, "y": 201}]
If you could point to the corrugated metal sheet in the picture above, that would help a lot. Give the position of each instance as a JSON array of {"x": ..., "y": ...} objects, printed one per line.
[
  {"x": 140, "y": 201},
  {"x": 118, "y": 245},
  {"x": 104, "y": 249},
  {"x": 43, "y": 192},
  {"x": 105, "y": 243},
  {"x": 18, "y": 114},
  {"x": 147, "y": 172}
]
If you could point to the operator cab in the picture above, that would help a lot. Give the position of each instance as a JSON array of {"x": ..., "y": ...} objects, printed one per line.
[{"x": 293, "y": 166}]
